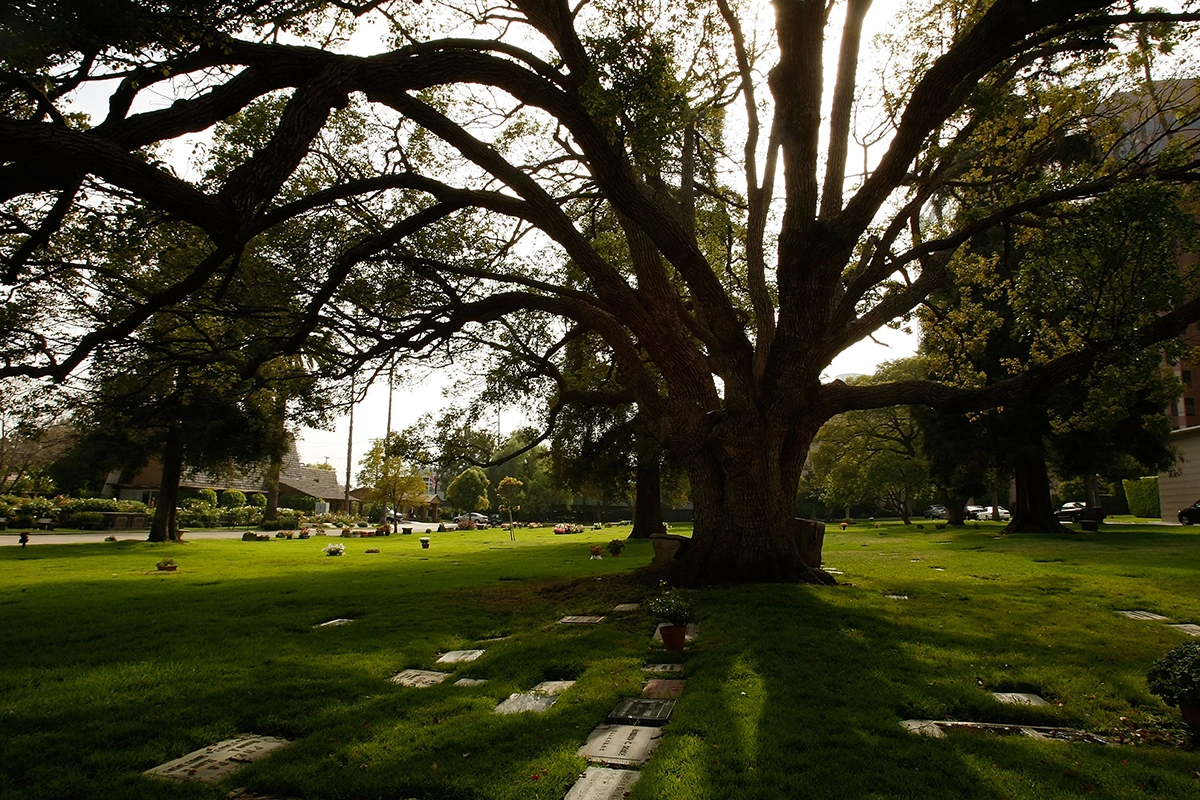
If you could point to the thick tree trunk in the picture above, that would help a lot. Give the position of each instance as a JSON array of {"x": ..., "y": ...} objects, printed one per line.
[
  {"x": 165, "y": 525},
  {"x": 746, "y": 530},
  {"x": 647, "y": 501},
  {"x": 954, "y": 502},
  {"x": 1033, "y": 512},
  {"x": 271, "y": 512}
]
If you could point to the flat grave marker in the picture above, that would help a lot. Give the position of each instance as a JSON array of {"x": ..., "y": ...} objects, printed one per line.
[
  {"x": 668, "y": 669},
  {"x": 552, "y": 687},
  {"x": 470, "y": 682},
  {"x": 521, "y": 702},
  {"x": 1191, "y": 629},
  {"x": 219, "y": 761},
  {"x": 623, "y": 607},
  {"x": 333, "y": 623},
  {"x": 641, "y": 711},
  {"x": 1020, "y": 699},
  {"x": 601, "y": 783},
  {"x": 627, "y": 745},
  {"x": 896, "y": 596},
  {"x": 659, "y": 689},
  {"x": 419, "y": 678},
  {"x": 693, "y": 630},
  {"x": 1144, "y": 615},
  {"x": 580, "y": 619},
  {"x": 460, "y": 656},
  {"x": 937, "y": 729}
]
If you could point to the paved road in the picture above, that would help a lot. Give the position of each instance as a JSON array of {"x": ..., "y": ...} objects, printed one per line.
[{"x": 10, "y": 537}]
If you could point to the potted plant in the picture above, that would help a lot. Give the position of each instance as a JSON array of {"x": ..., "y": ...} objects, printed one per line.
[
  {"x": 1175, "y": 677},
  {"x": 616, "y": 547},
  {"x": 424, "y": 542},
  {"x": 167, "y": 565},
  {"x": 335, "y": 549},
  {"x": 674, "y": 609},
  {"x": 596, "y": 551}
]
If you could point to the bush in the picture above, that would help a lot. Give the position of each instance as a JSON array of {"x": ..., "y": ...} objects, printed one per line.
[
  {"x": 26, "y": 511},
  {"x": 670, "y": 606},
  {"x": 208, "y": 496},
  {"x": 300, "y": 502},
  {"x": 258, "y": 500},
  {"x": 87, "y": 520},
  {"x": 232, "y": 498},
  {"x": 1175, "y": 677},
  {"x": 281, "y": 523},
  {"x": 1142, "y": 495}
]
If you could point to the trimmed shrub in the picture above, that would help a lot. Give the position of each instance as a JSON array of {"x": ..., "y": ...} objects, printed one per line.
[
  {"x": 281, "y": 523},
  {"x": 232, "y": 498},
  {"x": 209, "y": 496},
  {"x": 87, "y": 520},
  {"x": 258, "y": 500},
  {"x": 1142, "y": 495}
]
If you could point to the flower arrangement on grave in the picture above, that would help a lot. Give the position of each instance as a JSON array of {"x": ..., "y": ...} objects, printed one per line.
[
  {"x": 424, "y": 542},
  {"x": 1175, "y": 677},
  {"x": 335, "y": 549},
  {"x": 166, "y": 565},
  {"x": 616, "y": 547},
  {"x": 596, "y": 551},
  {"x": 670, "y": 606}
]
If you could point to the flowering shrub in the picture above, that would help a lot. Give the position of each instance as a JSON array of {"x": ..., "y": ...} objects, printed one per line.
[
  {"x": 335, "y": 549},
  {"x": 596, "y": 550},
  {"x": 1175, "y": 677},
  {"x": 616, "y": 547},
  {"x": 670, "y": 606}
]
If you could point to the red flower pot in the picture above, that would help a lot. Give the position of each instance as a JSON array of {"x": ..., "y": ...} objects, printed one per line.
[{"x": 674, "y": 636}]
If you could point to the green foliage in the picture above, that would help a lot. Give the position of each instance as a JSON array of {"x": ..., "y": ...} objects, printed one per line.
[
  {"x": 616, "y": 546},
  {"x": 258, "y": 500},
  {"x": 86, "y": 520},
  {"x": 1142, "y": 495},
  {"x": 232, "y": 498},
  {"x": 284, "y": 522},
  {"x": 1175, "y": 677},
  {"x": 469, "y": 490},
  {"x": 208, "y": 496},
  {"x": 392, "y": 477},
  {"x": 301, "y": 502},
  {"x": 672, "y": 606}
]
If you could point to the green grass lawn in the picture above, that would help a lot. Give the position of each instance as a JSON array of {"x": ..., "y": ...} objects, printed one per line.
[{"x": 108, "y": 668}]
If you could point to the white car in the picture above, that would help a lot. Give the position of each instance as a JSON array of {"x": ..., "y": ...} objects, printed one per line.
[{"x": 480, "y": 520}]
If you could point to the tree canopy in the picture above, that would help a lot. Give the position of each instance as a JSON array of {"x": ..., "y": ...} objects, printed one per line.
[{"x": 656, "y": 174}]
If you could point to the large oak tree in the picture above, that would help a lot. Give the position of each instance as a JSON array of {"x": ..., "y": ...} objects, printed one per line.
[{"x": 501, "y": 132}]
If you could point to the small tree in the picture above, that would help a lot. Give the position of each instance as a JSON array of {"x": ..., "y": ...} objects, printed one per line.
[
  {"x": 391, "y": 478},
  {"x": 233, "y": 498},
  {"x": 469, "y": 490},
  {"x": 509, "y": 491}
]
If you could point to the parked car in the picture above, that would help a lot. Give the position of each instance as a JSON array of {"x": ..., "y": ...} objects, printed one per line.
[
  {"x": 973, "y": 512},
  {"x": 1075, "y": 511},
  {"x": 480, "y": 520},
  {"x": 1190, "y": 515},
  {"x": 935, "y": 512},
  {"x": 994, "y": 513}
]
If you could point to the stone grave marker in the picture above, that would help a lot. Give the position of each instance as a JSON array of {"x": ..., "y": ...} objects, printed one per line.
[
  {"x": 623, "y": 607},
  {"x": 552, "y": 687},
  {"x": 1189, "y": 628},
  {"x": 218, "y": 761},
  {"x": 641, "y": 711},
  {"x": 460, "y": 656},
  {"x": 419, "y": 678},
  {"x": 333, "y": 623},
  {"x": 937, "y": 729},
  {"x": 470, "y": 682},
  {"x": 671, "y": 669},
  {"x": 693, "y": 630},
  {"x": 896, "y": 596},
  {"x": 580, "y": 619},
  {"x": 658, "y": 689},
  {"x": 526, "y": 701},
  {"x": 601, "y": 783},
  {"x": 243, "y": 793},
  {"x": 628, "y": 745},
  {"x": 1020, "y": 699},
  {"x": 1144, "y": 615}
]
